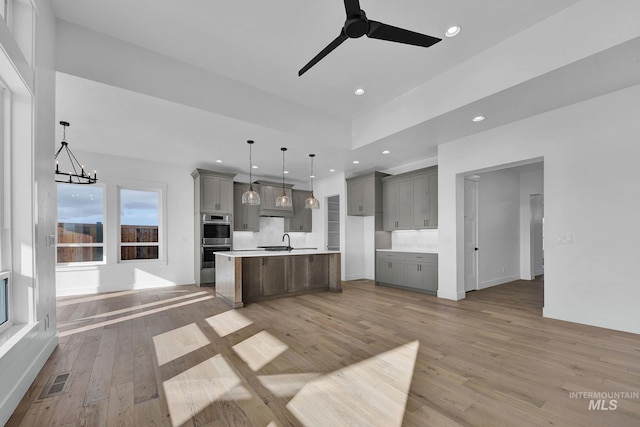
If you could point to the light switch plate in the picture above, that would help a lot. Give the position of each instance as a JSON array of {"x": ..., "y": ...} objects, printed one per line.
[{"x": 566, "y": 239}]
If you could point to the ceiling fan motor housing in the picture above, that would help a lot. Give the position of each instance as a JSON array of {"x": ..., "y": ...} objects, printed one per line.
[{"x": 356, "y": 26}]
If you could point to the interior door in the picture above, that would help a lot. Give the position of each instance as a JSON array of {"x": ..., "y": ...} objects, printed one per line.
[{"x": 470, "y": 235}]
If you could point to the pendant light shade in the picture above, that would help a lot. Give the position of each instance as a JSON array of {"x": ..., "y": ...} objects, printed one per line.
[
  {"x": 250, "y": 197},
  {"x": 311, "y": 202},
  {"x": 76, "y": 173},
  {"x": 283, "y": 201}
]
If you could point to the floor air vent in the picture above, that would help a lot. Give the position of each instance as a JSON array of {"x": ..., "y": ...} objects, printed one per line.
[{"x": 57, "y": 384}]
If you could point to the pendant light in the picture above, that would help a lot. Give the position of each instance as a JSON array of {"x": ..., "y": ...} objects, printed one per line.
[
  {"x": 73, "y": 176},
  {"x": 283, "y": 201},
  {"x": 311, "y": 202},
  {"x": 250, "y": 197}
]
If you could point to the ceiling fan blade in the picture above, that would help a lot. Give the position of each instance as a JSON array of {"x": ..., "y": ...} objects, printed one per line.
[
  {"x": 334, "y": 44},
  {"x": 378, "y": 30},
  {"x": 352, "y": 7}
]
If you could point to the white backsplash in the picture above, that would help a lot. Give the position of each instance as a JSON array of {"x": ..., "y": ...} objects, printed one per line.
[
  {"x": 270, "y": 234},
  {"x": 414, "y": 240}
]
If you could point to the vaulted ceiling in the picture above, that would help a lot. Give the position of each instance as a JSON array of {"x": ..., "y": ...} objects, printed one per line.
[{"x": 149, "y": 77}]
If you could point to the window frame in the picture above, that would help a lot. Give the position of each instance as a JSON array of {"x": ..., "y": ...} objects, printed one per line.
[
  {"x": 105, "y": 237},
  {"x": 160, "y": 189},
  {"x": 9, "y": 323}
]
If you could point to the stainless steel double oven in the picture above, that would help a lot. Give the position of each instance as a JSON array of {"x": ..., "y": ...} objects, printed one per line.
[{"x": 215, "y": 236}]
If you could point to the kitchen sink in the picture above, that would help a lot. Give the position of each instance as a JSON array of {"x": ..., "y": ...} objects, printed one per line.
[{"x": 276, "y": 248}]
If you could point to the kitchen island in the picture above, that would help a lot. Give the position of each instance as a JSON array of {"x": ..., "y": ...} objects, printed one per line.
[{"x": 249, "y": 276}]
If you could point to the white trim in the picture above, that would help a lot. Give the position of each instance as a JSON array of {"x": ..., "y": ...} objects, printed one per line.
[
  {"x": 161, "y": 189},
  {"x": 6, "y": 275},
  {"x": 20, "y": 387},
  {"x": 84, "y": 245},
  {"x": 498, "y": 281},
  {"x": 589, "y": 317}
]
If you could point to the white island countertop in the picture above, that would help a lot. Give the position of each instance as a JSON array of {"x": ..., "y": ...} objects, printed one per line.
[
  {"x": 263, "y": 253},
  {"x": 410, "y": 251}
]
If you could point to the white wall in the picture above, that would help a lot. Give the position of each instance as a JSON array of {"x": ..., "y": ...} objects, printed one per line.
[
  {"x": 590, "y": 151},
  {"x": 177, "y": 269},
  {"x": 271, "y": 233},
  {"x": 498, "y": 227},
  {"x": 25, "y": 348},
  {"x": 530, "y": 183},
  {"x": 415, "y": 240},
  {"x": 323, "y": 189}
]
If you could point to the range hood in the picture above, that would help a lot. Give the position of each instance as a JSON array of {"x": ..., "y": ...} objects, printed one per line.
[{"x": 269, "y": 191}]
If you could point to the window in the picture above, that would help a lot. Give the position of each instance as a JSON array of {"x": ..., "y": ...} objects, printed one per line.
[
  {"x": 139, "y": 224},
  {"x": 80, "y": 223},
  {"x": 4, "y": 298},
  {"x": 6, "y": 306}
]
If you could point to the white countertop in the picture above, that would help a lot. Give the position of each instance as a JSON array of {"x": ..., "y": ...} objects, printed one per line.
[
  {"x": 259, "y": 253},
  {"x": 411, "y": 251}
]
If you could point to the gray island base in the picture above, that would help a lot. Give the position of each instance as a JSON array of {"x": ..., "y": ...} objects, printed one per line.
[{"x": 249, "y": 276}]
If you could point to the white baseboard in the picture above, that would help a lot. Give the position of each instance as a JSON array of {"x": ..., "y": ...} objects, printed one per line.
[
  {"x": 454, "y": 296},
  {"x": 498, "y": 281},
  {"x": 19, "y": 389},
  {"x": 621, "y": 323}
]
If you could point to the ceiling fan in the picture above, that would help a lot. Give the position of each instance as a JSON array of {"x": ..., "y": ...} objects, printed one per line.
[{"x": 357, "y": 25}]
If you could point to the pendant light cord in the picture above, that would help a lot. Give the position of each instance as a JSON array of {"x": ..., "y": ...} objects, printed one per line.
[
  {"x": 250, "y": 164},
  {"x": 283, "y": 150}
]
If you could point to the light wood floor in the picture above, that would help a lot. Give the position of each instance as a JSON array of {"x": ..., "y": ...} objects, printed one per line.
[{"x": 370, "y": 356}]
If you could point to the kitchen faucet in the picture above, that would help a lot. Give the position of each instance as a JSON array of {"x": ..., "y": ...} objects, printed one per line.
[{"x": 288, "y": 240}]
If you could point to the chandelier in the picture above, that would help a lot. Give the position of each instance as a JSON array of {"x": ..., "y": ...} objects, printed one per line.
[{"x": 76, "y": 173}]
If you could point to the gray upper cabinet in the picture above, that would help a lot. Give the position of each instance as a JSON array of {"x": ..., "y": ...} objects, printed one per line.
[
  {"x": 245, "y": 217},
  {"x": 213, "y": 191},
  {"x": 410, "y": 201},
  {"x": 396, "y": 202},
  {"x": 269, "y": 191},
  {"x": 364, "y": 194},
  {"x": 424, "y": 208},
  {"x": 301, "y": 220}
]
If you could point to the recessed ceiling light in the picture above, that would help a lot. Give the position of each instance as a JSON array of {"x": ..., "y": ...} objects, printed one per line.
[
  {"x": 312, "y": 176},
  {"x": 478, "y": 118},
  {"x": 355, "y": 162},
  {"x": 386, "y": 152},
  {"x": 254, "y": 167},
  {"x": 285, "y": 171},
  {"x": 452, "y": 31},
  {"x": 332, "y": 170},
  {"x": 359, "y": 91},
  {"x": 218, "y": 161}
]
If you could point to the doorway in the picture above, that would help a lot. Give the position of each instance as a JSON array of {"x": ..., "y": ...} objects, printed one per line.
[
  {"x": 536, "y": 205},
  {"x": 470, "y": 234},
  {"x": 333, "y": 223}
]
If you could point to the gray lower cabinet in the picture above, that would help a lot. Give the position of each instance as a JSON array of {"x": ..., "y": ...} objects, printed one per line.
[
  {"x": 418, "y": 271},
  {"x": 318, "y": 266},
  {"x": 274, "y": 279},
  {"x": 245, "y": 217},
  {"x": 251, "y": 278},
  {"x": 274, "y": 275}
]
